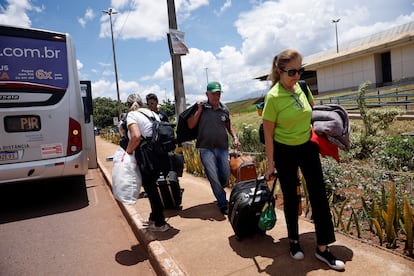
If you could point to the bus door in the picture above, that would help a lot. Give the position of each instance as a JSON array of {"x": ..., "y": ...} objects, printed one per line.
[{"x": 86, "y": 91}]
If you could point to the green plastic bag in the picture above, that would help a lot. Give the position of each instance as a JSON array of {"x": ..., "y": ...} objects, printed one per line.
[{"x": 267, "y": 218}]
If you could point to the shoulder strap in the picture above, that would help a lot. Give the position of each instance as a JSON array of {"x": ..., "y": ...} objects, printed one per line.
[
  {"x": 150, "y": 118},
  {"x": 304, "y": 87}
]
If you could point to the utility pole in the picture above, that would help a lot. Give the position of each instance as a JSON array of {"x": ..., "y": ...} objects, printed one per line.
[
  {"x": 179, "y": 93},
  {"x": 110, "y": 12},
  {"x": 336, "y": 32}
]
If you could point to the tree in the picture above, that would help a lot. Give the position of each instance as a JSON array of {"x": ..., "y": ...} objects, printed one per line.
[
  {"x": 168, "y": 107},
  {"x": 104, "y": 109}
]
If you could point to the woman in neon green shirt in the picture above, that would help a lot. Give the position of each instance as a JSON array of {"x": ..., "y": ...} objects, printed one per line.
[{"x": 287, "y": 117}]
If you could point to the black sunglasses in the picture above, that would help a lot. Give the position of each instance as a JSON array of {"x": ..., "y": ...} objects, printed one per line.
[{"x": 293, "y": 72}]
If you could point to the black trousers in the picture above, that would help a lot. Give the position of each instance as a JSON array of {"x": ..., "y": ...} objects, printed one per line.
[
  {"x": 306, "y": 157},
  {"x": 149, "y": 182}
]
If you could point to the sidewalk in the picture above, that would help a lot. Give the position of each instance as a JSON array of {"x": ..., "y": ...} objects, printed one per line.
[{"x": 202, "y": 242}]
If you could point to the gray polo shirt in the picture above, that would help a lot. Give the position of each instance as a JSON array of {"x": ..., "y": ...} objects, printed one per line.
[{"x": 212, "y": 132}]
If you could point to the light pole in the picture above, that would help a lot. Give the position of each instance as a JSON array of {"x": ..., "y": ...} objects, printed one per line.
[
  {"x": 110, "y": 12},
  {"x": 206, "y": 74},
  {"x": 336, "y": 32}
]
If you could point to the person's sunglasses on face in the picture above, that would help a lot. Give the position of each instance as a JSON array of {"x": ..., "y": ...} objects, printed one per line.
[{"x": 292, "y": 72}]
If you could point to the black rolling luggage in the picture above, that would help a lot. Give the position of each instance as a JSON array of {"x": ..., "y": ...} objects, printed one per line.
[
  {"x": 170, "y": 191},
  {"x": 246, "y": 203}
]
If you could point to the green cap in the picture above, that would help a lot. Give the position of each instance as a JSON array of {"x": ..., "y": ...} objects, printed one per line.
[{"x": 213, "y": 87}]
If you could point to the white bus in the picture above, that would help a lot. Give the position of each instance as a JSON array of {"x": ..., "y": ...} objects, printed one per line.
[{"x": 42, "y": 120}]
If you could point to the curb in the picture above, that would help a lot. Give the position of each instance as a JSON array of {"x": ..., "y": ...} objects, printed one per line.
[{"x": 160, "y": 259}]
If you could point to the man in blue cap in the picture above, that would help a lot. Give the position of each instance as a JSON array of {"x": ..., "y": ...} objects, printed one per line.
[{"x": 213, "y": 120}]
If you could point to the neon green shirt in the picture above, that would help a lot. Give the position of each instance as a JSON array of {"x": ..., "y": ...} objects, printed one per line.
[{"x": 291, "y": 113}]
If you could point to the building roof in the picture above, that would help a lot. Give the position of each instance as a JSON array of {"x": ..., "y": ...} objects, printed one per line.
[
  {"x": 385, "y": 40},
  {"x": 396, "y": 36}
]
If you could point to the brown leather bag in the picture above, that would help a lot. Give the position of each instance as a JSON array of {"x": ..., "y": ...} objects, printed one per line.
[{"x": 242, "y": 167}]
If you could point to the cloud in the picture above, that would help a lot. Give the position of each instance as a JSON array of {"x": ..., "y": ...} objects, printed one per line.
[
  {"x": 226, "y": 6},
  {"x": 187, "y": 6},
  {"x": 263, "y": 28},
  {"x": 274, "y": 26},
  {"x": 134, "y": 23},
  {"x": 266, "y": 29},
  {"x": 82, "y": 22},
  {"x": 79, "y": 64},
  {"x": 16, "y": 13},
  {"x": 119, "y": 4},
  {"x": 88, "y": 16}
]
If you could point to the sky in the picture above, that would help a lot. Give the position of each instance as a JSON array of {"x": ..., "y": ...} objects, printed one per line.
[{"x": 228, "y": 41}]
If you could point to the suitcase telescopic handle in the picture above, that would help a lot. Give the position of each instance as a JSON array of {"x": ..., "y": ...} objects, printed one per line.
[{"x": 260, "y": 179}]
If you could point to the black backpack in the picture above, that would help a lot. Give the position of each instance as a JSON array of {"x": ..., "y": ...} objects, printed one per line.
[
  {"x": 304, "y": 88},
  {"x": 163, "y": 136}
]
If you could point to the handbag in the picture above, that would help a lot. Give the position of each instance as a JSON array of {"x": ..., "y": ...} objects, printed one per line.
[
  {"x": 126, "y": 177},
  {"x": 268, "y": 217}
]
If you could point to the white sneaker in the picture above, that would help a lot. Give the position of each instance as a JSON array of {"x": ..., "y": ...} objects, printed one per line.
[
  {"x": 147, "y": 222},
  {"x": 163, "y": 228},
  {"x": 296, "y": 251},
  {"x": 329, "y": 259}
]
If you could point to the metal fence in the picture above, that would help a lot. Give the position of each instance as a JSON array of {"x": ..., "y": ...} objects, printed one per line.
[{"x": 398, "y": 98}]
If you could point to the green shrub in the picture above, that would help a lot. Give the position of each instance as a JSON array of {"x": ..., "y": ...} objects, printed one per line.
[
  {"x": 396, "y": 153},
  {"x": 374, "y": 120},
  {"x": 249, "y": 139}
]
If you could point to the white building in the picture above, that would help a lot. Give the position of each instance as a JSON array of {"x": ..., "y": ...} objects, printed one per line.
[{"x": 383, "y": 59}]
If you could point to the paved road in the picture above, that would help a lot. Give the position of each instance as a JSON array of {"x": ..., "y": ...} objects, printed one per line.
[{"x": 66, "y": 228}]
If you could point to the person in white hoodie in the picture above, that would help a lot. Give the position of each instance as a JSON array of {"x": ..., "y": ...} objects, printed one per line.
[{"x": 140, "y": 126}]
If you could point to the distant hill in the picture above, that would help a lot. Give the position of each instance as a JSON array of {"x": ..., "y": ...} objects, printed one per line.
[{"x": 244, "y": 106}]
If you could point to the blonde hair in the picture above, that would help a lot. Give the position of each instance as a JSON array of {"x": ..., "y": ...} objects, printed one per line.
[
  {"x": 280, "y": 61},
  {"x": 134, "y": 102}
]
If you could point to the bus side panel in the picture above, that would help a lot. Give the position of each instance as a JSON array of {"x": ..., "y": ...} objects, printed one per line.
[{"x": 76, "y": 106}]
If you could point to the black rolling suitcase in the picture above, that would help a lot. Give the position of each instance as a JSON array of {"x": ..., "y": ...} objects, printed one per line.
[
  {"x": 170, "y": 191},
  {"x": 246, "y": 203}
]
